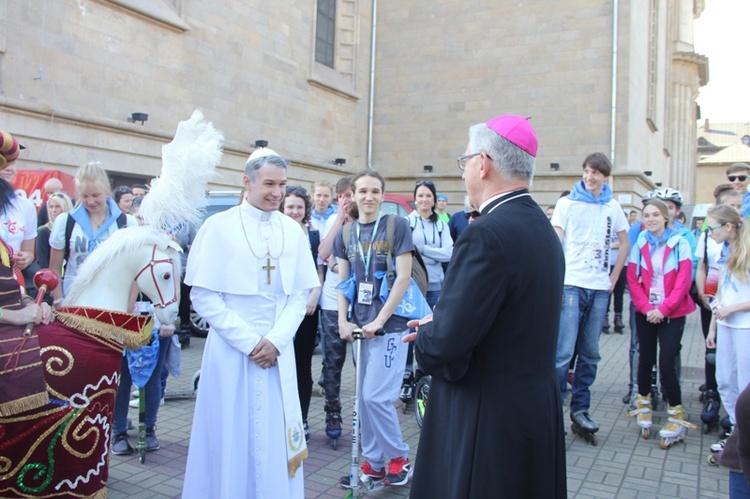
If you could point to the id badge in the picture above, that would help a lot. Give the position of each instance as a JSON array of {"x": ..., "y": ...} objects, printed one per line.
[
  {"x": 654, "y": 297},
  {"x": 364, "y": 293}
]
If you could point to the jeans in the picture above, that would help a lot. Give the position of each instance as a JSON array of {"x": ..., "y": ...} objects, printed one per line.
[
  {"x": 153, "y": 391},
  {"x": 432, "y": 299},
  {"x": 580, "y": 322},
  {"x": 738, "y": 486}
]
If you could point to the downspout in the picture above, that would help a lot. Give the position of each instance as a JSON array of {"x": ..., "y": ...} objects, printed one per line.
[
  {"x": 371, "y": 111},
  {"x": 613, "y": 118}
]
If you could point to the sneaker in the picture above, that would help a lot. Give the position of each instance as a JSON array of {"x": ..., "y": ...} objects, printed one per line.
[
  {"x": 121, "y": 446},
  {"x": 399, "y": 472},
  {"x": 134, "y": 403},
  {"x": 619, "y": 325},
  {"x": 152, "y": 443},
  {"x": 367, "y": 471}
]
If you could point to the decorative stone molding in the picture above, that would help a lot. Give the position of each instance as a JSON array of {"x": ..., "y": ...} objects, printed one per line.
[{"x": 163, "y": 12}]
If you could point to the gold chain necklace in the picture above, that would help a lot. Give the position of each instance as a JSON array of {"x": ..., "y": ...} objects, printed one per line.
[{"x": 268, "y": 248}]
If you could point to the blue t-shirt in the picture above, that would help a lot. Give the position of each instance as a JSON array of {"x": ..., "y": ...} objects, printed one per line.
[{"x": 364, "y": 314}]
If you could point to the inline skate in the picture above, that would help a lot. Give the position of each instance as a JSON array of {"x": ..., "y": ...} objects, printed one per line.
[
  {"x": 710, "y": 413},
  {"x": 643, "y": 414},
  {"x": 584, "y": 427},
  {"x": 333, "y": 422},
  {"x": 675, "y": 429}
]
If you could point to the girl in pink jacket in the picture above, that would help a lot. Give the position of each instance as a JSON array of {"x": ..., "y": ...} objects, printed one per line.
[{"x": 660, "y": 274}]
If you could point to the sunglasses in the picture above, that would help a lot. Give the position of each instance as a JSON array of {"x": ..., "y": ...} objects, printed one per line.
[
  {"x": 123, "y": 190},
  {"x": 712, "y": 228},
  {"x": 429, "y": 183},
  {"x": 741, "y": 178}
]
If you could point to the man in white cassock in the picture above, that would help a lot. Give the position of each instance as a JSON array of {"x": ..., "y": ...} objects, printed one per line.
[{"x": 251, "y": 270}]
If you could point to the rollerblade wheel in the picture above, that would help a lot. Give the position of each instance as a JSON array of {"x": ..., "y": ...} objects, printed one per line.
[
  {"x": 711, "y": 460},
  {"x": 334, "y": 443},
  {"x": 645, "y": 433},
  {"x": 349, "y": 494}
]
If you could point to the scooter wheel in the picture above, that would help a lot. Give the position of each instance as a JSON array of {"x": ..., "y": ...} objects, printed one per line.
[{"x": 142, "y": 455}]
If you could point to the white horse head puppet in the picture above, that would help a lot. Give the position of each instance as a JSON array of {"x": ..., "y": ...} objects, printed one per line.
[
  {"x": 148, "y": 254},
  {"x": 136, "y": 253}
]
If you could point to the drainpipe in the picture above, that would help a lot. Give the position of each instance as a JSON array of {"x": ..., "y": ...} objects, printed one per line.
[
  {"x": 371, "y": 111},
  {"x": 613, "y": 118}
]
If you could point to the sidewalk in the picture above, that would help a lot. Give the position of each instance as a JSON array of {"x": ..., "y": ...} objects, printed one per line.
[{"x": 622, "y": 465}]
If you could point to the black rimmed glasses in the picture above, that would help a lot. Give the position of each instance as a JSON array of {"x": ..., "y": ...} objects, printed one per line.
[
  {"x": 463, "y": 159},
  {"x": 741, "y": 178},
  {"x": 712, "y": 228}
]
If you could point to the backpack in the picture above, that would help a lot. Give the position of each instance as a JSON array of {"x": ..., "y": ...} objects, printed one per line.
[
  {"x": 418, "y": 268},
  {"x": 122, "y": 221}
]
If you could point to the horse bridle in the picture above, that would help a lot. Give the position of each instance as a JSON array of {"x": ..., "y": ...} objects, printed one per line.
[{"x": 150, "y": 266}]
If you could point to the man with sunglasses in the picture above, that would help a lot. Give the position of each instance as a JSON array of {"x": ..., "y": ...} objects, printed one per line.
[{"x": 739, "y": 176}]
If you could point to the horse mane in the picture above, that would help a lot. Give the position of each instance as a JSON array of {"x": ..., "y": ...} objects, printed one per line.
[{"x": 124, "y": 242}]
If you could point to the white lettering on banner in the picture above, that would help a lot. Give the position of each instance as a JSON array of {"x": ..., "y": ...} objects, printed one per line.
[{"x": 36, "y": 196}]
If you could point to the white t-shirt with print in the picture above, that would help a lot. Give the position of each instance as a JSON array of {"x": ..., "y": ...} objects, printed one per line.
[
  {"x": 589, "y": 230},
  {"x": 18, "y": 224},
  {"x": 79, "y": 244}
]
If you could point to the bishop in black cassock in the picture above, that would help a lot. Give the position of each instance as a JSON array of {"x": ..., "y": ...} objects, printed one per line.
[{"x": 493, "y": 425}]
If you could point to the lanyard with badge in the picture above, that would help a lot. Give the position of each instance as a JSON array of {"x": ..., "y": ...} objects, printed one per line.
[{"x": 366, "y": 289}]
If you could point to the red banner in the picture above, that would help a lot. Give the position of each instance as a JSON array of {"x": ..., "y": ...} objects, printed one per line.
[{"x": 30, "y": 184}]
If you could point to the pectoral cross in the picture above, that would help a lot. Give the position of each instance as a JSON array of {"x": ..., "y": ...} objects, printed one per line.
[{"x": 268, "y": 268}]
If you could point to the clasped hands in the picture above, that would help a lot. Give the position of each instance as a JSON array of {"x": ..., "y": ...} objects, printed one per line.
[{"x": 264, "y": 354}]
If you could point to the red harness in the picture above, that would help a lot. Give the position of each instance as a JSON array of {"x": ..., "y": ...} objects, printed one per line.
[{"x": 150, "y": 266}]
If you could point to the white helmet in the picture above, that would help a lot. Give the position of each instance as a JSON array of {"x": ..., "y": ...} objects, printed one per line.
[{"x": 670, "y": 194}]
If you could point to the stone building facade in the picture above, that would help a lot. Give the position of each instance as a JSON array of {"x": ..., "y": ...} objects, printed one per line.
[{"x": 72, "y": 73}]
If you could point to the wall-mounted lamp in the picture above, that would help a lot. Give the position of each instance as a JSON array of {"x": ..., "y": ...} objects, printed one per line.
[
  {"x": 554, "y": 166},
  {"x": 339, "y": 161},
  {"x": 142, "y": 117},
  {"x": 261, "y": 143},
  {"x": 427, "y": 168},
  {"x": 648, "y": 173},
  {"x": 658, "y": 184}
]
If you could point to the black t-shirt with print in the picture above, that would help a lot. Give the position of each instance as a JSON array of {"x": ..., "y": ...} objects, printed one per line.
[{"x": 364, "y": 314}]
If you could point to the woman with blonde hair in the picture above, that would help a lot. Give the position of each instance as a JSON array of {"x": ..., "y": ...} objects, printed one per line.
[
  {"x": 57, "y": 204},
  {"x": 75, "y": 234},
  {"x": 729, "y": 332}
]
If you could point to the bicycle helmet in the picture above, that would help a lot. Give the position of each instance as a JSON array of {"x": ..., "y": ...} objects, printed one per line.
[
  {"x": 670, "y": 194},
  {"x": 648, "y": 196}
]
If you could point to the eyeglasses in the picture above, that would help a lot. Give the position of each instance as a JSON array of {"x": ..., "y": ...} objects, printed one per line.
[
  {"x": 463, "y": 159},
  {"x": 741, "y": 178},
  {"x": 712, "y": 228},
  {"x": 429, "y": 183}
]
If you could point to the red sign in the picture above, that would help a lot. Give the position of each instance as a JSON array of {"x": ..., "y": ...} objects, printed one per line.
[{"x": 30, "y": 184}]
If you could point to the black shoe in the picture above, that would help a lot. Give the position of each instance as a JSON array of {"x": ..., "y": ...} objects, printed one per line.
[
  {"x": 184, "y": 337},
  {"x": 626, "y": 397},
  {"x": 121, "y": 446},
  {"x": 306, "y": 427},
  {"x": 152, "y": 443},
  {"x": 619, "y": 325}
]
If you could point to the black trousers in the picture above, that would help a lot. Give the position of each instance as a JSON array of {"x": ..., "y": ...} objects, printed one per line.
[
  {"x": 304, "y": 344},
  {"x": 710, "y": 368},
  {"x": 668, "y": 335}
]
